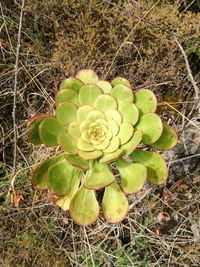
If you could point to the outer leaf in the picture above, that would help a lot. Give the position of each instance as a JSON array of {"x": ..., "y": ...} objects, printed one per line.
[
  {"x": 88, "y": 94},
  {"x": 132, "y": 144},
  {"x": 67, "y": 95},
  {"x": 33, "y": 129},
  {"x": 114, "y": 127},
  {"x": 38, "y": 179},
  {"x": 120, "y": 80},
  {"x": 83, "y": 146},
  {"x": 74, "y": 130},
  {"x": 66, "y": 113},
  {"x": 146, "y": 101},
  {"x": 151, "y": 126},
  {"x": 107, "y": 158},
  {"x": 115, "y": 115},
  {"x": 113, "y": 146},
  {"x": 122, "y": 93},
  {"x": 77, "y": 162},
  {"x": 59, "y": 177},
  {"x": 102, "y": 145},
  {"x": 114, "y": 204},
  {"x": 133, "y": 176},
  {"x": 99, "y": 176},
  {"x": 95, "y": 115},
  {"x": 157, "y": 172},
  {"x": 167, "y": 140},
  {"x": 71, "y": 83},
  {"x": 67, "y": 143},
  {"x": 105, "y": 102},
  {"x": 125, "y": 132},
  {"x": 90, "y": 155},
  {"x": 64, "y": 201},
  {"x": 129, "y": 112},
  {"x": 49, "y": 129},
  {"x": 105, "y": 86},
  {"x": 83, "y": 112},
  {"x": 87, "y": 76},
  {"x": 84, "y": 208}
]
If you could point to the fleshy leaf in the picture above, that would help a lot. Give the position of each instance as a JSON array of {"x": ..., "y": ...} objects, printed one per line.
[
  {"x": 77, "y": 162},
  {"x": 157, "y": 172},
  {"x": 129, "y": 112},
  {"x": 122, "y": 93},
  {"x": 66, "y": 113},
  {"x": 120, "y": 80},
  {"x": 125, "y": 132},
  {"x": 105, "y": 86},
  {"x": 114, "y": 204},
  {"x": 109, "y": 135},
  {"x": 49, "y": 129},
  {"x": 102, "y": 122},
  {"x": 67, "y": 95},
  {"x": 167, "y": 140},
  {"x": 90, "y": 155},
  {"x": 38, "y": 178},
  {"x": 83, "y": 111},
  {"x": 84, "y": 208},
  {"x": 84, "y": 125},
  {"x": 115, "y": 115},
  {"x": 105, "y": 102},
  {"x": 114, "y": 127},
  {"x": 59, "y": 177},
  {"x": 64, "y": 201},
  {"x": 67, "y": 143},
  {"x": 113, "y": 146},
  {"x": 99, "y": 176},
  {"x": 87, "y": 76},
  {"x": 110, "y": 157},
  {"x": 146, "y": 101},
  {"x": 88, "y": 94},
  {"x": 73, "y": 130},
  {"x": 85, "y": 136},
  {"x": 83, "y": 146},
  {"x": 133, "y": 176},
  {"x": 33, "y": 129},
  {"x": 102, "y": 145},
  {"x": 151, "y": 126},
  {"x": 132, "y": 144},
  {"x": 71, "y": 83},
  {"x": 95, "y": 115}
]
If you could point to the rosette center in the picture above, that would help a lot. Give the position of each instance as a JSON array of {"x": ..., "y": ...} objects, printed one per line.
[{"x": 97, "y": 132}]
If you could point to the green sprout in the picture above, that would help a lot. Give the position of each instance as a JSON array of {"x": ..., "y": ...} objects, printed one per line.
[{"x": 100, "y": 126}]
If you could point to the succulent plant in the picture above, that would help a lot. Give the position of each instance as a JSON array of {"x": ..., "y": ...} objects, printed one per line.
[{"x": 100, "y": 126}]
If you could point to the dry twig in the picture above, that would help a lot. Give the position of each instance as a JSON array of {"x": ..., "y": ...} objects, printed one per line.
[
  {"x": 132, "y": 205},
  {"x": 196, "y": 89},
  {"x": 15, "y": 87}
]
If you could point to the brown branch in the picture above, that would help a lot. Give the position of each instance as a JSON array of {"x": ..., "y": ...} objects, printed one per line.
[
  {"x": 132, "y": 205},
  {"x": 15, "y": 87},
  {"x": 196, "y": 89}
]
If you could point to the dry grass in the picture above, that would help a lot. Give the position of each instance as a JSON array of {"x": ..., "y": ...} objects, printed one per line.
[{"x": 134, "y": 39}]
